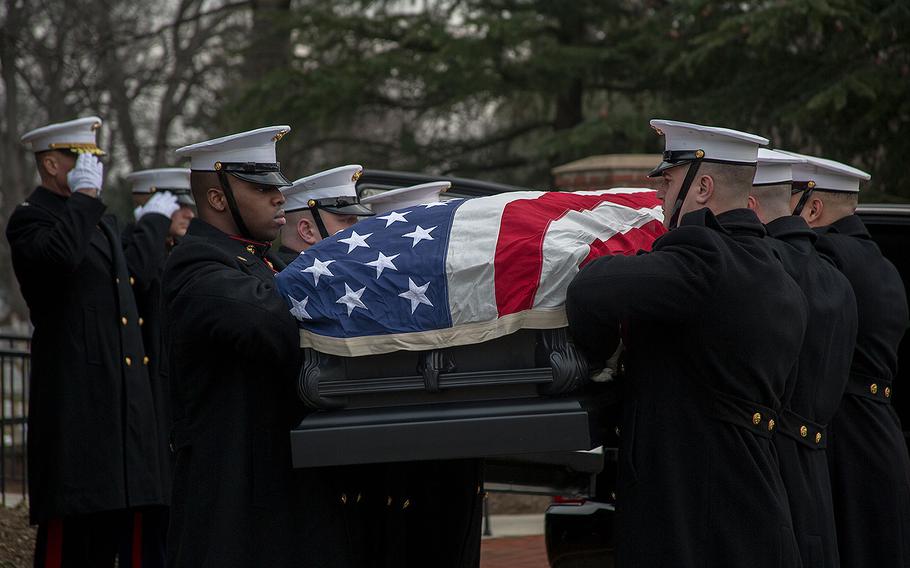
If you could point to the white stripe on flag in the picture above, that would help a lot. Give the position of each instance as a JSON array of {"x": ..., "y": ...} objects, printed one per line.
[
  {"x": 469, "y": 261},
  {"x": 568, "y": 241}
]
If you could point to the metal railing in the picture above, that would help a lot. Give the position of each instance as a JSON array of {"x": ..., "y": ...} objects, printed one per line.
[{"x": 15, "y": 364}]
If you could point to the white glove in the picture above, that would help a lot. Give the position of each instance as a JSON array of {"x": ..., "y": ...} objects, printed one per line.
[
  {"x": 164, "y": 203},
  {"x": 86, "y": 174}
]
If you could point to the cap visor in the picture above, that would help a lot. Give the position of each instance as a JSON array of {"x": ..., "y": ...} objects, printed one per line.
[
  {"x": 354, "y": 209},
  {"x": 263, "y": 178},
  {"x": 661, "y": 168}
]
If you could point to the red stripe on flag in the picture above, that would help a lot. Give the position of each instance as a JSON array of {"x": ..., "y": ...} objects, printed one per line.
[
  {"x": 629, "y": 243},
  {"x": 523, "y": 228},
  {"x": 53, "y": 557}
]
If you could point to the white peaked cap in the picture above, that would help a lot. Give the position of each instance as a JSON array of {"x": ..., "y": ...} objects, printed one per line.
[
  {"x": 174, "y": 180},
  {"x": 336, "y": 182},
  {"x": 774, "y": 167},
  {"x": 684, "y": 141},
  {"x": 75, "y": 135},
  {"x": 828, "y": 174},
  {"x": 406, "y": 196},
  {"x": 256, "y": 146}
]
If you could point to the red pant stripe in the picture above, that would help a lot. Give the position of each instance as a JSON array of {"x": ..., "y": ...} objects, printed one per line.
[
  {"x": 137, "y": 540},
  {"x": 53, "y": 557}
]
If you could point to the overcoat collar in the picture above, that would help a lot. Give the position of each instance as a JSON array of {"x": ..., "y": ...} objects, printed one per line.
[
  {"x": 793, "y": 229},
  {"x": 851, "y": 225},
  {"x": 235, "y": 245},
  {"x": 47, "y": 200},
  {"x": 733, "y": 222}
]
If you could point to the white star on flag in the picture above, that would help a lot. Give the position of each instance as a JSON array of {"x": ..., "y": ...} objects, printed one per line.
[
  {"x": 356, "y": 240},
  {"x": 299, "y": 309},
  {"x": 436, "y": 204},
  {"x": 416, "y": 294},
  {"x": 394, "y": 217},
  {"x": 318, "y": 269},
  {"x": 351, "y": 299},
  {"x": 382, "y": 263},
  {"x": 419, "y": 234}
]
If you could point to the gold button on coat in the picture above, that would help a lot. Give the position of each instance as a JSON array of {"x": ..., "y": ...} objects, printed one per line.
[
  {"x": 873, "y": 388},
  {"x": 132, "y": 281},
  {"x": 128, "y": 361},
  {"x": 771, "y": 425},
  {"x": 803, "y": 431},
  {"x": 344, "y": 499},
  {"x": 756, "y": 418},
  {"x": 141, "y": 321},
  {"x": 818, "y": 437},
  {"x": 145, "y": 360},
  {"x": 123, "y": 320},
  {"x": 887, "y": 392}
]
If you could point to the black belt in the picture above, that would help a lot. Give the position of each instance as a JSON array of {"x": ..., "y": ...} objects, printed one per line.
[
  {"x": 756, "y": 418},
  {"x": 873, "y": 388},
  {"x": 808, "y": 433}
]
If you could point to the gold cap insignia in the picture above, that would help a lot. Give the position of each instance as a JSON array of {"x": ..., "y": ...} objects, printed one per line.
[
  {"x": 78, "y": 148},
  {"x": 357, "y": 175},
  {"x": 279, "y": 135}
]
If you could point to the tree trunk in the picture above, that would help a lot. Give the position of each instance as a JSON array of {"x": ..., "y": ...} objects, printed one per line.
[
  {"x": 116, "y": 87},
  {"x": 13, "y": 173},
  {"x": 270, "y": 44}
]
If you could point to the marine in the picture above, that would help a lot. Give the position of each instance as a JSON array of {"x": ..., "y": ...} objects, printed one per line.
[{"x": 699, "y": 482}]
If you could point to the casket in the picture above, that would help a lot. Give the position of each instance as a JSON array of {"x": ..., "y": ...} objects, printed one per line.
[
  {"x": 420, "y": 348},
  {"x": 522, "y": 393}
]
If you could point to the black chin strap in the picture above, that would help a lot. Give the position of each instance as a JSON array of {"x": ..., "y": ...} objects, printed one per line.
[
  {"x": 319, "y": 223},
  {"x": 683, "y": 192},
  {"x": 232, "y": 205},
  {"x": 807, "y": 193}
]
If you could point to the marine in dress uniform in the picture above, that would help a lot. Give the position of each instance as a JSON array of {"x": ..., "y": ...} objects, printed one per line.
[
  {"x": 164, "y": 207},
  {"x": 233, "y": 366},
  {"x": 824, "y": 364},
  {"x": 867, "y": 452},
  {"x": 92, "y": 432},
  {"x": 319, "y": 206},
  {"x": 706, "y": 367},
  {"x": 442, "y": 524}
]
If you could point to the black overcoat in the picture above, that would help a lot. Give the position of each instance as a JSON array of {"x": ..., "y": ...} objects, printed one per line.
[
  {"x": 712, "y": 326},
  {"x": 821, "y": 377},
  {"x": 92, "y": 435},
  {"x": 147, "y": 243},
  {"x": 870, "y": 469},
  {"x": 233, "y": 365}
]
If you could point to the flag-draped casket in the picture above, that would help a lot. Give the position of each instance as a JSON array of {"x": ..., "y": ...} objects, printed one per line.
[
  {"x": 459, "y": 272},
  {"x": 455, "y": 300}
]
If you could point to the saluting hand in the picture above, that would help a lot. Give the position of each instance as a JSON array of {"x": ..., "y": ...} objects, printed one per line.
[
  {"x": 164, "y": 203},
  {"x": 86, "y": 176}
]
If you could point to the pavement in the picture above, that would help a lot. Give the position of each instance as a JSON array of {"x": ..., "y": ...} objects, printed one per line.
[
  {"x": 517, "y": 542},
  {"x": 514, "y": 552},
  {"x": 515, "y": 525}
]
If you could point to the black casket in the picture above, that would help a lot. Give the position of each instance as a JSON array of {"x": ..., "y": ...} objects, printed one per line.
[{"x": 527, "y": 393}]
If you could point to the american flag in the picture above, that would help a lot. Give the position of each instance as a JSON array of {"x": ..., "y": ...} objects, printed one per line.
[{"x": 460, "y": 271}]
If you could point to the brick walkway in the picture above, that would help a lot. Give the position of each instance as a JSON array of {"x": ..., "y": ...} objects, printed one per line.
[{"x": 514, "y": 552}]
